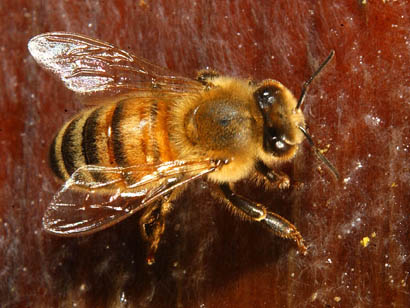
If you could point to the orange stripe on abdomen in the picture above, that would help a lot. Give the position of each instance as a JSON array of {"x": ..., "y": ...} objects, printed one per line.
[
  {"x": 141, "y": 133},
  {"x": 161, "y": 133}
]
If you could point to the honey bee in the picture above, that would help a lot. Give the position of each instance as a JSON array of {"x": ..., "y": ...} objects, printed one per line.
[{"x": 157, "y": 132}]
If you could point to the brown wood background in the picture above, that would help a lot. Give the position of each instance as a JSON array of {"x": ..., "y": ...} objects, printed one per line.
[{"x": 359, "y": 107}]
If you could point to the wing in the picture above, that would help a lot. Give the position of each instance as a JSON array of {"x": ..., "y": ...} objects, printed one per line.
[
  {"x": 86, "y": 206},
  {"x": 86, "y": 65}
]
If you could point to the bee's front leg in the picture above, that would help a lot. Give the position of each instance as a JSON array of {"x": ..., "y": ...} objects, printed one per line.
[
  {"x": 278, "y": 179},
  {"x": 257, "y": 212}
]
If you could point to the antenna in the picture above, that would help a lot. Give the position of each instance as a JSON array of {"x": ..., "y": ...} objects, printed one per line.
[
  {"x": 318, "y": 154},
  {"x": 309, "y": 81},
  {"x": 304, "y": 131}
]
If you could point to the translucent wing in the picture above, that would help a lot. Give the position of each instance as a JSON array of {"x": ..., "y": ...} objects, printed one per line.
[
  {"x": 84, "y": 206},
  {"x": 87, "y": 65}
]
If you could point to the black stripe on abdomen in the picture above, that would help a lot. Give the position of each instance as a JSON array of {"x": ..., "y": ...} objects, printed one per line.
[
  {"x": 89, "y": 142},
  {"x": 116, "y": 134},
  {"x": 69, "y": 150}
]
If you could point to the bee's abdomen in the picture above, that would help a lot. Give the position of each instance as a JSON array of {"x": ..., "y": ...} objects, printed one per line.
[
  {"x": 140, "y": 133},
  {"x": 66, "y": 153},
  {"x": 125, "y": 133}
]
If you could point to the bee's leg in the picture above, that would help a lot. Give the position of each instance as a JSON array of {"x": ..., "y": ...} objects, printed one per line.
[
  {"x": 205, "y": 76},
  {"x": 257, "y": 212},
  {"x": 152, "y": 222},
  {"x": 279, "y": 179}
]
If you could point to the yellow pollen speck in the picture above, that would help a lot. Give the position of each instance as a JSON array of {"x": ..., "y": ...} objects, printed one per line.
[
  {"x": 337, "y": 299},
  {"x": 365, "y": 241},
  {"x": 323, "y": 151}
]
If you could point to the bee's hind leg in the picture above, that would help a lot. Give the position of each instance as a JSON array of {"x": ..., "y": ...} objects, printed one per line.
[
  {"x": 152, "y": 222},
  {"x": 257, "y": 212}
]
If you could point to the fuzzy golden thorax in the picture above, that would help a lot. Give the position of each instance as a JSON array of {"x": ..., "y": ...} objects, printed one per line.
[{"x": 226, "y": 122}]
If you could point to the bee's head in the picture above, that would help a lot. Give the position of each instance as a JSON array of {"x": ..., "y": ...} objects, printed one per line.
[
  {"x": 282, "y": 119},
  {"x": 284, "y": 123}
]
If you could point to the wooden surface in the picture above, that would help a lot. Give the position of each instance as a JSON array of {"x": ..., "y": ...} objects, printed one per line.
[{"x": 358, "y": 108}]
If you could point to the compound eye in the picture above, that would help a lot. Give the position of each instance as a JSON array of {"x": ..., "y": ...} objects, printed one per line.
[
  {"x": 275, "y": 144},
  {"x": 280, "y": 147},
  {"x": 266, "y": 96}
]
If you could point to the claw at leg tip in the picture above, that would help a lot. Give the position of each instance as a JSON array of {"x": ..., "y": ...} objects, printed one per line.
[
  {"x": 302, "y": 248},
  {"x": 150, "y": 260}
]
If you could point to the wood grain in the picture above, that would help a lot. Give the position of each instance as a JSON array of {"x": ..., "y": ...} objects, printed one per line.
[{"x": 358, "y": 109}]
